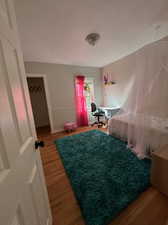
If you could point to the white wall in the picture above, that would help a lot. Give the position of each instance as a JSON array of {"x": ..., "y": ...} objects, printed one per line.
[
  {"x": 123, "y": 72},
  {"x": 60, "y": 80}
]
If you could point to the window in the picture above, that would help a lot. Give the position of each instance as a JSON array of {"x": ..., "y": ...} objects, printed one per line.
[{"x": 89, "y": 94}]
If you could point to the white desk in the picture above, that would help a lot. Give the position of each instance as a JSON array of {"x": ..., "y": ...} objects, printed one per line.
[
  {"x": 109, "y": 108},
  {"x": 110, "y": 111}
]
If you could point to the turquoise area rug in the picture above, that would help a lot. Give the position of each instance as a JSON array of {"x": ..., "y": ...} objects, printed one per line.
[{"x": 104, "y": 174}]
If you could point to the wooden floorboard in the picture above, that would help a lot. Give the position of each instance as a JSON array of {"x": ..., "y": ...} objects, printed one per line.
[{"x": 151, "y": 208}]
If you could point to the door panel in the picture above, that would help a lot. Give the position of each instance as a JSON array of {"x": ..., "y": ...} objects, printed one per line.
[
  {"x": 18, "y": 218},
  {"x": 16, "y": 221},
  {"x": 4, "y": 163},
  {"x": 23, "y": 196},
  {"x": 13, "y": 75},
  {"x": 38, "y": 196},
  {"x": 7, "y": 122},
  {"x": 4, "y": 11}
]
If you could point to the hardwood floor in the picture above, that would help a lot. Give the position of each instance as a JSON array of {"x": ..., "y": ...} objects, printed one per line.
[{"x": 151, "y": 208}]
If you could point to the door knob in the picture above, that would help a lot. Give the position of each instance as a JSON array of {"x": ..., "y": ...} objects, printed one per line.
[{"x": 39, "y": 144}]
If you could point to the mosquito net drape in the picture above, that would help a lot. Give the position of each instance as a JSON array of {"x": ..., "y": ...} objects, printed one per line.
[{"x": 144, "y": 115}]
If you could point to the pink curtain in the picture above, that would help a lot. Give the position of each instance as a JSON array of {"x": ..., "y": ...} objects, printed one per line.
[{"x": 81, "y": 109}]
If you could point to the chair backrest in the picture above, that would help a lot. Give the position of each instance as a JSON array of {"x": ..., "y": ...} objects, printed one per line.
[{"x": 93, "y": 107}]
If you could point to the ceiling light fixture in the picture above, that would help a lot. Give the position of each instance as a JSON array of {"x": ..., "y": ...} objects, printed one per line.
[{"x": 92, "y": 38}]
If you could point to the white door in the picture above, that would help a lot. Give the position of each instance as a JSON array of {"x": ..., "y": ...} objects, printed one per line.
[{"x": 23, "y": 195}]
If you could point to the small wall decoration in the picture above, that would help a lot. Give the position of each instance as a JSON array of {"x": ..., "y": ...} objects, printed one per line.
[
  {"x": 86, "y": 87},
  {"x": 107, "y": 78}
]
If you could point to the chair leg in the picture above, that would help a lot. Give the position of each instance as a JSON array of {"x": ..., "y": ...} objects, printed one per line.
[
  {"x": 98, "y": 122},
  {"x": 95, "y": 123},
  {"x": 98, "y": 118}
]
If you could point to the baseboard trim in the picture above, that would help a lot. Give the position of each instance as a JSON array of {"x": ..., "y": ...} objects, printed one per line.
[{"x": 56, "y": 131}]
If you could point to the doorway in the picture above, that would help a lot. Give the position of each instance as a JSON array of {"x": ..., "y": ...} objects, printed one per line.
[{"x": 39, "y": 104}]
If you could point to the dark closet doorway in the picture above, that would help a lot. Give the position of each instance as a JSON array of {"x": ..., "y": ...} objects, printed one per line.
[{"x": 39, "y": 104}]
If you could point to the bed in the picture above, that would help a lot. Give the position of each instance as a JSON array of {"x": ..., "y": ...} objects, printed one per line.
[{"x": 154, "y": 128}]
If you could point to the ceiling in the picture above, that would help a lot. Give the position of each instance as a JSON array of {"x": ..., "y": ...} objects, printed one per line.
[{"x": 54, "y": 31}]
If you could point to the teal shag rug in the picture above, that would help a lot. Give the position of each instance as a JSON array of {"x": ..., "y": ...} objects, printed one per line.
[{"x": 104, "y": 174}]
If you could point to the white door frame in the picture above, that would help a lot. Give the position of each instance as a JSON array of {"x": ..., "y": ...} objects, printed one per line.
[{"x": 36, "y": 75}]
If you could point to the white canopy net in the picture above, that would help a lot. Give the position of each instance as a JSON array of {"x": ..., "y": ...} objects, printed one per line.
[{"x": 143, "y": 119}]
